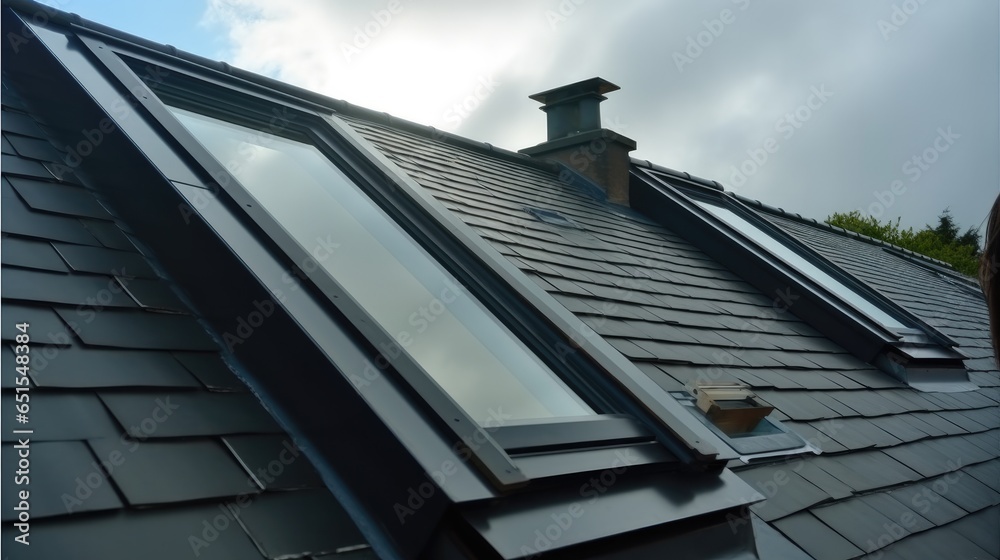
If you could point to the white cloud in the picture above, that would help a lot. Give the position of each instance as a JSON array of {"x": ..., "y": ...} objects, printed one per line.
[{"x": 426, "y": 58}]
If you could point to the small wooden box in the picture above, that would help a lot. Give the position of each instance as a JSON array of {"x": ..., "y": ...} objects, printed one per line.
[{"x": 731, "y": 407}]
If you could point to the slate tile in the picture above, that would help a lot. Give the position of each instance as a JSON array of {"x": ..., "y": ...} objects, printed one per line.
[
  {"x": 987, "y": 417},
  {"x": 942, "y": 542},
  {"x": 59, "y": 199},
  {"x": 93, "y": 292},
  {"x": 15, "y": 218},
  {"x": 924, "y": 500},
  {"x": 822, "y": 479},
  {"x": 20, "y": 123},
  {"x": 14, "y": 165},
  {"x": 34, "y": 148},
  {"x": 924, "y": 458},
  {"x": 987, "y": 472},
  {"x": 139, "y": 329},
  {"x": 817, "y": 539},
  {"x": 152, "y": 294},
  {"x": 63, "y": 416},
  {"x": 900, "y": 427},
  {"x": 816, "y": 437},
  {"x": 867, "y": 403},
  {"x": 866, "y": 470},
  {"x": 31, "y": 254},
  {"x": 97, "y": 367},
  {"x": 154, "y": 534},
  {"x": 833, "y": 404},
  {"x": 938, "y": 422},
  {"x": 960, "y": 449},
  {"x": 862, "y": 433},
  {"x": 158, "y": 472},
  {"x": 44, "y": 325},
  {"x": 962, "y": 420},
  {"x": 209, "y": 368},
  {"x": 899, "y": 513},
  {"x": 6, "y": 147},
  {"x": 771, "y": 378},
  {"x": 101, "y": 260},
  {"x": 785, "y": 491},
  {"x": 286, "y": 523},
  {"x": 981, "y": 529},
  {"x": 109, "y": 235},
  {"x": 859, "y": 523},
  {"x": 798, "y": 405},
  {"x": 928, "y": 422},
  {"x": 965, "y": 491},
  {"x": 63, "y": 478},
  {"x": 162, "y": 414},
  {"x": 274, "y": 461}
]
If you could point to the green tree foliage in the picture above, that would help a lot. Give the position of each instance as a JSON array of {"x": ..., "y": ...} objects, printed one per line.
[{"x": 942, "y": 242}]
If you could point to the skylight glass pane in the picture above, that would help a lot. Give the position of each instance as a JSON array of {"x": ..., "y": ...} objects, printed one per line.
[
  {"x": 446, "y": 330},
  {"x": 801, "y": 264}
]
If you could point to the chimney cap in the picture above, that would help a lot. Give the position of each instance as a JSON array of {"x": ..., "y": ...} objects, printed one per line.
[{"x": 593, "y": 86}]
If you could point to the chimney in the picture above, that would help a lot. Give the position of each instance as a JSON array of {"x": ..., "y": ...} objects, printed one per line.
[{"x": 576, "y": 139}]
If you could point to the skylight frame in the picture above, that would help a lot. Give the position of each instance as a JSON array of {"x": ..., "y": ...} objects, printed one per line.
[
  {"x": 629, "y": 392},
  {"x": 905, "y": 353}
]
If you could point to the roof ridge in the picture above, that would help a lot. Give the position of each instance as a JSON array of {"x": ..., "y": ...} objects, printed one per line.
[
  {"x": 906, "y": 253},
  {"x": 679, "y": 174}
]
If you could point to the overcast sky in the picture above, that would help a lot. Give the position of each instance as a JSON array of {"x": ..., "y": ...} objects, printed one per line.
[{"x": 839, "y": 97}]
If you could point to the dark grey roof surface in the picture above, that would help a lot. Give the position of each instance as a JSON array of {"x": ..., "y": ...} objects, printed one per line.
[
  {"x": 122, "y": 374},
  {"x": 898, "y": 468}
]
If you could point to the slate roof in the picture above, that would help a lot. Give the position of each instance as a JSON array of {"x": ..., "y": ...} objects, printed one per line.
[
  {"x": 124, "y": 375},
  {"x": 901, "y": 472}
]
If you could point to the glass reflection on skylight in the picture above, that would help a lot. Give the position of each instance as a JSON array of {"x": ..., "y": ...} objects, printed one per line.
[
  {"x": 797, "y": 261},
  {"x": 447, "y": 331}
]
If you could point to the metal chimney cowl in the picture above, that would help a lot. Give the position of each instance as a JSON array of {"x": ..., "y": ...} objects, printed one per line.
[{"x": 576, "y": 139}]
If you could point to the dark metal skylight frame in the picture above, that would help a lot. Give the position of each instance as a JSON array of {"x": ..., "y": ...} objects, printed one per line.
[
  {"x": 916, "y": 353},
  {"x": 607, "y": 381}
]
